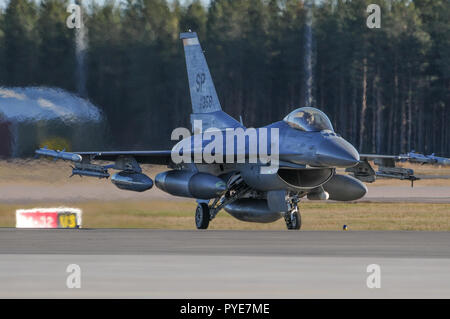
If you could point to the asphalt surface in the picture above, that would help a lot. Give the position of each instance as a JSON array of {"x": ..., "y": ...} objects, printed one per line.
[
  {"x": 242, "y": 243},
  {"x": 223, "y": 264}
]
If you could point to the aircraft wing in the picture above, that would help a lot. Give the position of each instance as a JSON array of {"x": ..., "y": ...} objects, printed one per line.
[
  {"x": 412, "y": 157},
  {"x": 161, "y": 157},
  {"x": 144, "y": 157}
]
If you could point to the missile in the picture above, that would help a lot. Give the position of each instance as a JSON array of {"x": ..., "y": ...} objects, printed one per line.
[
  {"x": 427, "y": 159},
  {"x": 92, "y": 170},
  {"x": 90, "y": 173},
  {"x": 439, "y": 160},
  {"x": 418, "y": 158},
  {"x": 66, "y": 156}
]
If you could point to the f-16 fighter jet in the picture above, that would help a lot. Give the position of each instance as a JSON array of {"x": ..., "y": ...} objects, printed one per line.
[{"x": 254, "y": 174}]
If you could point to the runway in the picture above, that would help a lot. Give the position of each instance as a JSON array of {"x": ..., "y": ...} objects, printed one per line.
[{"x": 223, "y": 264}]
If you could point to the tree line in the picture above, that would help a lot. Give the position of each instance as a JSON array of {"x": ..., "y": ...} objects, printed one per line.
[{"x": 386, "y": 90}]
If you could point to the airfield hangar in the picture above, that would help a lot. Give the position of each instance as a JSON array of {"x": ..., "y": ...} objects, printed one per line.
[{"x": 32, "y": 117}]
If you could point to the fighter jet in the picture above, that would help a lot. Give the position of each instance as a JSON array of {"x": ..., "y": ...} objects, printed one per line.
[{"x": 251, "y": 188}]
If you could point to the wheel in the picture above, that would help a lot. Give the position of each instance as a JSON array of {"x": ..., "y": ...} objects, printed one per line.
[
  {"x": 293, "y": 220},
  {"x": 202, "y": 216}
]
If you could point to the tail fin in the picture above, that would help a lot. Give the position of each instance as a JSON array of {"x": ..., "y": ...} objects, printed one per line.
[
  {"x": 205, "y": 103},
  {"x": 203, "y": 93}
]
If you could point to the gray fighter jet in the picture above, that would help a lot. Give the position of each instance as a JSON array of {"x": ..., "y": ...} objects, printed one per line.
[{"x": 308, "y": 152}]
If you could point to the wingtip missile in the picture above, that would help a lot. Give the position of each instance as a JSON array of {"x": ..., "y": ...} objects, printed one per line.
[
  {"x": 437, "y": 160},
  {"x": 414, "y": 157},
  {"x": 66, "y": 156}
]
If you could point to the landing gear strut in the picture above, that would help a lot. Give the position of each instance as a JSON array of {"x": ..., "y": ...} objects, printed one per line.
[
  {"x": 202, "y": 216},
  {"x": 236, "y": 188},
  {"x": 293, "y": 219}
]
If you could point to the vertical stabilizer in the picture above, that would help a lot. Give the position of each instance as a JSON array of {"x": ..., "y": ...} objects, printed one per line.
[
  {"x": 205, "y": 103},
  {"x": 203, "y": 93}
]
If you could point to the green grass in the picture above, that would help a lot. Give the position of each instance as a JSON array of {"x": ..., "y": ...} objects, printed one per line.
[{"x": 315, "y": 216}]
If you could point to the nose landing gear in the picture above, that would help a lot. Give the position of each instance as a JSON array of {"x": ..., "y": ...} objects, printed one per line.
[{"x": 293, "y": 219}]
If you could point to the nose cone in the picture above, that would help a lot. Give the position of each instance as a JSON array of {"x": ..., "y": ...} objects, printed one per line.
[{"x": 336, "y": 152}]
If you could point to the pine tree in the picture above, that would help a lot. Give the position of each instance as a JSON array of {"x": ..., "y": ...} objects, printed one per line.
[{"x": 21, "y": 43}]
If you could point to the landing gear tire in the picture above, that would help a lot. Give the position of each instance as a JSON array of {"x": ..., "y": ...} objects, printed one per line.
[
  {"x": 293, "y": 220},
  {"x": 202, "y": 216}
]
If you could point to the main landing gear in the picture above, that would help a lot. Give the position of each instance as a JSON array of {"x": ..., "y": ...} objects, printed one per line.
[
  {"x": 236, "y": 188},
  {"x": 202, "y": 216}
]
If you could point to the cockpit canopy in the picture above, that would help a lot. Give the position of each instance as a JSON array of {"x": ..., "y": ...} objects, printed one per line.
[{"x": 308, "y": 119}]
